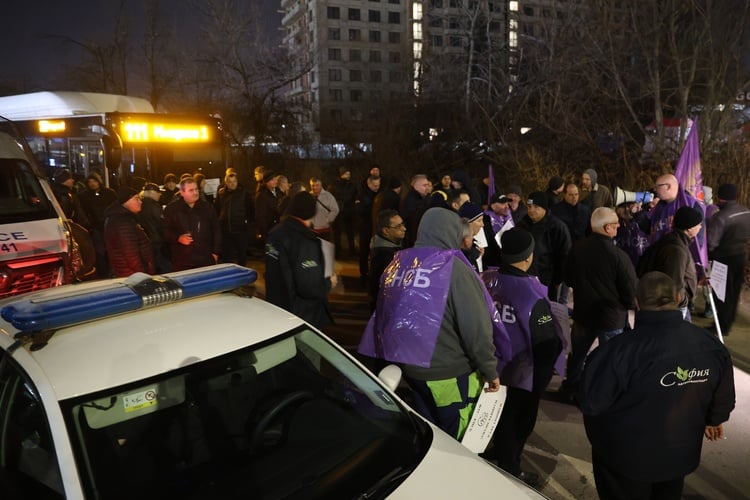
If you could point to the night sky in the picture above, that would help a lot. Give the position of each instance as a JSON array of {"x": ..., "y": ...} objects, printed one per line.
[{"x": 31, "y": 60}]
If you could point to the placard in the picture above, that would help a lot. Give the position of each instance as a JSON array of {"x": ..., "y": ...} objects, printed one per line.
[{"x": 484, "y": 420}]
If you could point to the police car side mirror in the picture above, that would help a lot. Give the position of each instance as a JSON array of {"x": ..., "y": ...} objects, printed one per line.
[{"x": 390, "y": 376}]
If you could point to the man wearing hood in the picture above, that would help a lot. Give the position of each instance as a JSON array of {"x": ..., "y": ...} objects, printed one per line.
[
  {"x": 435, "y": 319},
  {"x": 386, "y": 242},
  {"x": 94, "y": 201},
  {"x": 128, "y": 248},
  {"x": 594, "y": 194}
]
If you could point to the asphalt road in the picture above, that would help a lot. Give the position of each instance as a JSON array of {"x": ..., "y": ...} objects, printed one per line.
[{"x": 558, "y": 449}]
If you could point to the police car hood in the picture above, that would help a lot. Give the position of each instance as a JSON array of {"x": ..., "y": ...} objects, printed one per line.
[{"x": 440, "y": 228}]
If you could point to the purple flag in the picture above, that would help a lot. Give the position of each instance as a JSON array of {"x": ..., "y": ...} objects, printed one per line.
[
  {"x": 491, "y": 186},
  {"x": 690, "y": 178}
]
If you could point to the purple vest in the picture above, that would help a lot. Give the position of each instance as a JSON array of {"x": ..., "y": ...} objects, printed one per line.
[
  {"x": 413, "y": 293},
  {"x": 663, "y": 213},
  {"x": 515, "y": 297}
]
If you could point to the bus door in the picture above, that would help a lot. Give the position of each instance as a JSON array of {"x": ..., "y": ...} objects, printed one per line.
[{"x": 86, "y": 156}]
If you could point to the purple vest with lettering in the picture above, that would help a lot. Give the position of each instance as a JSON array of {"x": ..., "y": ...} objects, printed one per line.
[
  {"x": 413, "y": 293},
  {"x": 515, "y": 297}
]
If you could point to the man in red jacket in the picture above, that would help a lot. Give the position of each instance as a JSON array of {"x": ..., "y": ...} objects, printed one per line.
[{"x": 128, "y": 248}]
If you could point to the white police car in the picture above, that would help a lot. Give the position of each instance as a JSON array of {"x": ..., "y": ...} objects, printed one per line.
[{"x": 164, "y": 388}]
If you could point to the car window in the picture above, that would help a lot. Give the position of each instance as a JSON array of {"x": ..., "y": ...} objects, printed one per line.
[
  {"x": 292, "y": 417},
  {"x": 21, "y": 196},
  {"x": 28, "y": 464}
]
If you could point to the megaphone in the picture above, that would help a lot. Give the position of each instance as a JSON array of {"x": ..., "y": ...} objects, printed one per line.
[{"x": 622, "y": 196}]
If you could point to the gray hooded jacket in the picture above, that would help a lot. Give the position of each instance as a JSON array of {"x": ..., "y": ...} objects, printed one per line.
[{"x": 465, "y": 341}]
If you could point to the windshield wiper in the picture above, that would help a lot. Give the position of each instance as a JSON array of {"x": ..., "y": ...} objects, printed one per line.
[{"x": 386, "y": 484}]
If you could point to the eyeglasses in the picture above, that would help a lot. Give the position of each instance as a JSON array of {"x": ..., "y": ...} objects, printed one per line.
[
  {"x": 398, "y": 226},
  {"x": 662, "y": 184},
  {"x": 616, "y": 224}
]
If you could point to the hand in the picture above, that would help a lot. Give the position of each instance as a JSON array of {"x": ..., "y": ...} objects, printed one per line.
[
  {"x": 215, "y": 257},
  {"x": 714, "y": 432},
  {"x": 334, "y": 280},
  {"x": 494, "y": 385},
  {"x": 185, "y": 239}
]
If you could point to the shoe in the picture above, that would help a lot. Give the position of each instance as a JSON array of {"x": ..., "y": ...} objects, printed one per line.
[{"x": 530, "y": 478}]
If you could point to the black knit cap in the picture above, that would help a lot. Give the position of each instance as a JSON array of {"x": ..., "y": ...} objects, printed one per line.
[
  {"x": 302, "y": 206},
  {"x": 517, "y": 244},
  {"x": 687, "y": 217},
  {"x": 555, "y": 183},
  {"x": 61, "y": 175},
  {"x": 727, "y": 192},
  {"x": 538, "y": 198},
  {"x": 124, "y": 193}
]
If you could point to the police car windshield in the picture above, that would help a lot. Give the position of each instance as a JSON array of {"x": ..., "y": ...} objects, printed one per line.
[
  {"x": 293, "y": 417},
  {"x": 21, "y": 195}
]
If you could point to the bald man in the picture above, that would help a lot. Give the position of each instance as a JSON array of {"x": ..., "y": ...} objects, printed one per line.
[{"x": 671, "y": 198}]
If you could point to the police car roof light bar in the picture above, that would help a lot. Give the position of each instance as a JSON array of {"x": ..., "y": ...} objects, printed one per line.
[{"x": 137, "y": 292}]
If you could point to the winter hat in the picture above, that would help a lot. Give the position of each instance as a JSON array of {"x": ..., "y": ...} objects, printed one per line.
[
  {"x": 470, "y": 211},
  {"x": 170, "y": 178},
  {"x": 592, "y": 174},
  {"x": 268, "y": 175},
  {"x": 61, "y": 175},
  {"x": 96, "y": 177},
  {"x": 556, "y": 182},
  {"x": 727, "y": 192},
  {"x": 515, "y": 189},
  {"x": 517, "y": 245},
  {"x": 687, "y": 217},
  {"x": 539, "y": 199},
  {"x": 498, "y": 198},
  {"x": 150, "y": 186},
  {"x": 124, "y": 193},
  {"x": 302, "y": 206},
  {"x": 394, "y": 182},
  {"x": 343, "y": 170}
]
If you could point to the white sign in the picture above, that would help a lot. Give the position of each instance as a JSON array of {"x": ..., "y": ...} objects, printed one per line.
[
  {"x": 484, "y": 419},
  {"x": 329, "y": 256},
  {"x": 719, "y": 280}
]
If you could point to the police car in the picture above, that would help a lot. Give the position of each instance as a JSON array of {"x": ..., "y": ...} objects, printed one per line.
[{"x": 165, "y": 387}]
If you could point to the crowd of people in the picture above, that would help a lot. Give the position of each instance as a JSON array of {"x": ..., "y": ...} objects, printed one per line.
[{"x": 466, "y": 283}]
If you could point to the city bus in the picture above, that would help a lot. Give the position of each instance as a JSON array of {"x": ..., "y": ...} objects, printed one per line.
[{"x": 116, "y": 136}]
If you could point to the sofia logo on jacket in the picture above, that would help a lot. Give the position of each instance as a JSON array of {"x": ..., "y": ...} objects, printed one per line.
[
  {"x": 308, "y": 264},
  {"x": 681, "y": 377}
]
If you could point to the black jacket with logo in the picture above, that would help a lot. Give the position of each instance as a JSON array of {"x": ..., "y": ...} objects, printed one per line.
[
  {"x": 647, "y": 395},
  {"x": 295, "y": 272}
]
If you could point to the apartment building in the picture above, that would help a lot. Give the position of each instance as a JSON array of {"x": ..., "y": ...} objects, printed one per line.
[{"x": 356, "y": 56}]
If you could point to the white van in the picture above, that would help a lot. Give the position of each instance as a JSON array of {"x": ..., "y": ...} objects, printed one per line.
[
  {"x": 36, "y": 249},
  {"x": 164, "y": 387}
]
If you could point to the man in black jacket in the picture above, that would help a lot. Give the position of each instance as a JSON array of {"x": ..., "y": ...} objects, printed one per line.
[
  {"x": 552, "y": 242},
  {"x": 151, "y": 218},
  {"x": 365, "y": 200},
  {"x": 728, "y": 234},
  {"x": 649, "y": 397},
  {"x": 94, "y": 201},
  {"x": 385, "y": 244},
  {"x": 603, "y": 280},
  {"x": 191, "y": 229},
  {"x": 295, "y": 269},
  {"x": 128, "y": 248},
  {"x": 345, "y": 192},
  {"x": 234, "y": 205}
]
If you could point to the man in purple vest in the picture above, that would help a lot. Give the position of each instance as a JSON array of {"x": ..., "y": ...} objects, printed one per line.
[
  {"x": 435, "y": 319},
  {"x": 537, "y": 348}
]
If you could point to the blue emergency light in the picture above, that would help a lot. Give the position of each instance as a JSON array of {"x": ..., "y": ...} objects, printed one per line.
[{"x": 40, "y": 313}]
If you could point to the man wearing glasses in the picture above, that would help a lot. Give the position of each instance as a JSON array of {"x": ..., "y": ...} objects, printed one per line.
[
  {"x": 671, "y": 198},
  {"x": 603, "y": 281},
  {"x": 386, "y": 242}
]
